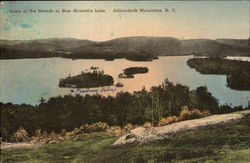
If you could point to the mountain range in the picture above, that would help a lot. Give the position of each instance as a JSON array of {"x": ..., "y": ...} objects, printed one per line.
[{"x": 122, "y": 47}]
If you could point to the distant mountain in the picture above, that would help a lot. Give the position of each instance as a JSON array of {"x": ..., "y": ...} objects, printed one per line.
[
  {"x": 39, "y": 48},
  {"x": 122, "y": 47},
  {"x": 236, "y": 42},
  {"x": 45, "y": 44},
  {"x": 207, "y": 47},
  {"x": 156, "y": 45},
  {"x": 128, "y": 46}
]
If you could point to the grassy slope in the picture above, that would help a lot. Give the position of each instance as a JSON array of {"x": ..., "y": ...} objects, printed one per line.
[{"x": 224, "y": 143}]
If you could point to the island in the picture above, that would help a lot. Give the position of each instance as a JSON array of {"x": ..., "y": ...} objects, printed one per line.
[
  {"x": 237, "y": 72},
  {"x": 119, "y": 84},
  {"x": 129, "y": 72},
  {"x": 88, "y": 79}
]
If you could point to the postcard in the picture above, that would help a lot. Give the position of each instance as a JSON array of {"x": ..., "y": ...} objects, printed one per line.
[{"x": 125, "y": 81}]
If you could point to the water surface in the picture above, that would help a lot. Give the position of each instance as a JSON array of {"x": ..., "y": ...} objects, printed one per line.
[{"x": 27, "y": 80}]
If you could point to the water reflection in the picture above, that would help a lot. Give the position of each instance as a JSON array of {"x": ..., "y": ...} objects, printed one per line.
[{"x": 27, "y": 80}]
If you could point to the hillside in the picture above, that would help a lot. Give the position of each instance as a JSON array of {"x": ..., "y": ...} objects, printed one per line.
[
  {"x": 51, "y": 44},
  {"x": 206, "y": 47},
  {"x": 158, "y": 45},
  {"x": 121, "y": 47},
  {"x": 236, "y": 42},
  {"x": 207, "y": 144},
  {"x": 143, "y": 135},
  {"x": 127, "y": 46},
  {"x": 54, "y": 47}
]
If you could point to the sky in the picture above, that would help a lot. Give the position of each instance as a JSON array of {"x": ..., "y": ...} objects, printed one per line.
[{"x": 200, "y": 19}]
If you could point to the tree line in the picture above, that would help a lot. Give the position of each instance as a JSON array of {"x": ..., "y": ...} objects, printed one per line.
[
  {"x": 69, "y": 112},
  {"x": 238, "y": 76}
]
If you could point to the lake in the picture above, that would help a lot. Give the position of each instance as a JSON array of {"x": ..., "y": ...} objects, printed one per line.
[{"x": 27, "y": 80}]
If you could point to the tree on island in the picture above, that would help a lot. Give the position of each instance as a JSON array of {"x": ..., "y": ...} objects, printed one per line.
[{"x": 92, "y": 78}]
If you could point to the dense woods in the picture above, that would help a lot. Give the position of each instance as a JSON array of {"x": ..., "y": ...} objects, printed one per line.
[
  {"x": 238, "y": 76},
  {"x": 11, "y": 53},
  {"x": 92, "y": 78},
  {"x": 111, "y": 55},
  {"x": 92, "y": 54},
  {"x": 68, "y": 112}
]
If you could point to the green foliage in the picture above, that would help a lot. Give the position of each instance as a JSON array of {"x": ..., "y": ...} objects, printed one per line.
[
  {"x": 238, "y": 76},
  {"x": 70, "y": 112},
  {"x": 205, "y": 100},
  {"x": 228, "y": 109},
  {"x": 14, "y": 117},
  {"x": 222, "y": 143}
]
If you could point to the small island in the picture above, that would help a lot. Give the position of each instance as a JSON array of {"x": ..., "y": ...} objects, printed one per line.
[
  {"x": 238, "y": 76},
  {"x": 119, "y": 84},
  {"x": 88, "y": 79},
  {"x": 129, "y": 72}
]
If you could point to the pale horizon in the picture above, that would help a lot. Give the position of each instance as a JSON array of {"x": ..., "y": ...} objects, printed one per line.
[{"x": 122, "y": 37}]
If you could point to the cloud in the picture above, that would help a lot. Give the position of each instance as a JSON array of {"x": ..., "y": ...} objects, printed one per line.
[{"x": 25, "y": 25}]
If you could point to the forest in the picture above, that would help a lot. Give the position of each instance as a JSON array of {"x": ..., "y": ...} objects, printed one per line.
[
  {"x": 66, "y": 113},
  {"x": 9, "y": 53},
  {"x": 237, "y": 72},
  {"x": 111, "y": 55}
]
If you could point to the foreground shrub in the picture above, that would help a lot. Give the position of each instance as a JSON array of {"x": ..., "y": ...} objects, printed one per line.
[
  {"x": 148, "y": 124},
  {"x": 128, "y": 127},
  {"x": 115, "y": 130},
  {"x": 44, "y": 136},
  {"x": 168, "y": 120},
  {"x": 21, "y": 135},
  {"x": 95, "y": 127},
  {"x": 73, "y": 132},
  {"x": 185, "y": 114}
]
